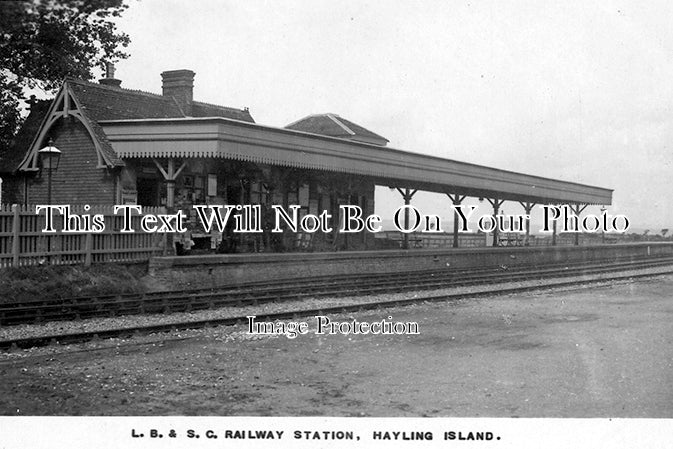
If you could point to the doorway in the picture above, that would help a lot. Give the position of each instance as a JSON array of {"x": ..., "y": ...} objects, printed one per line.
[{"x": 148, "y": 191}]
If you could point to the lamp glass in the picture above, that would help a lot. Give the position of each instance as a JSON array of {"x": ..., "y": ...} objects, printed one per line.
[{"x": 50, "y": 156}]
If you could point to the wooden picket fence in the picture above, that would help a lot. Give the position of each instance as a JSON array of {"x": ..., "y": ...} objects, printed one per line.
[{"x": 23, "y": 242}]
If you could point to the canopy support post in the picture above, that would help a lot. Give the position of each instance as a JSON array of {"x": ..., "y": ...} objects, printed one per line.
[
  {"x": 456, "y": 199},
  {"x": 407, "y": 195},
  {"x": 496, "y": 203},
  {"x": 577, "y": 210},
  {"x": 527, "y": 207},
  {"x": 170, "y": 174}
]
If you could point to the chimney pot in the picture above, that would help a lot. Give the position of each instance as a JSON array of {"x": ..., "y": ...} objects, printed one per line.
[
  {"x": 110, "y": 79},
  {"x": 179, "y": 84},
  {"x": 109, "y": 70}
]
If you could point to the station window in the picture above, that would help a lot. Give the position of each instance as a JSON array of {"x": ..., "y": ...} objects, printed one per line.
[
  {"x": 212, "y": 185},
  {"x": 259, "y": 193},
  {"x": 299, "y": 196},
  {"x": 195, "y": 187}
]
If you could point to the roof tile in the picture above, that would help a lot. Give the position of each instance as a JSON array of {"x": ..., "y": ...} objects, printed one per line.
[{"x": 105, "y": 102}]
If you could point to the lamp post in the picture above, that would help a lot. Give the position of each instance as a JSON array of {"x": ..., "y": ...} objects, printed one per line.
[
  {"x": 50, "y": 157},
  {"x": 603, "y": 209}
]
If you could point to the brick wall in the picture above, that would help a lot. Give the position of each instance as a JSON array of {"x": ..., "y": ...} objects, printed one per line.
[
  {"x": 12, "y": 189},
  {"x": 77, "y": 179}
]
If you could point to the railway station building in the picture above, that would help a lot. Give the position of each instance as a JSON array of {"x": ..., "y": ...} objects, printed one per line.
[{"x": 122, "y": 146}]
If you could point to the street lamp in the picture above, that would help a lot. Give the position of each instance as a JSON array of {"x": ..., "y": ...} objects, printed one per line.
[{"x": 49, "y": 156}]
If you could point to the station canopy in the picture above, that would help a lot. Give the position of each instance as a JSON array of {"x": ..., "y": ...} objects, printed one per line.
[
  {"x": 126, "y": 124},
  {"x": 218, "y": 137}
]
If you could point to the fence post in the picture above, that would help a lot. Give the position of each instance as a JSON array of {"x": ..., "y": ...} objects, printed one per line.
[
  {"x": 15, "y": 235},
  {"x": 169, "y": 238},
  {"x": 89, "y": 249}
]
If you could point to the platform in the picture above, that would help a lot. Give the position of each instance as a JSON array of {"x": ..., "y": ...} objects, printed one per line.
[{"x": 229, "y": 269}]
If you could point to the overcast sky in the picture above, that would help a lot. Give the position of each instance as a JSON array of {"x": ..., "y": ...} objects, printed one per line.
[{"x": 575, "y": 90}]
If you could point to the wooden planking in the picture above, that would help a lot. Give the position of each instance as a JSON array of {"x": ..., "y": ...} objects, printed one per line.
[{"x": 22, "y": 242}]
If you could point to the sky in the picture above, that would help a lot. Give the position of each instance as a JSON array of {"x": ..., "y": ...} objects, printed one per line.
[{"x": 580, "y": 91}]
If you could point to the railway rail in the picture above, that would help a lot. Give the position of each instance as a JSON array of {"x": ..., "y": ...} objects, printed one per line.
[
  {"x": 461, "y": 278},
  {"x": 277, "y": 291}
]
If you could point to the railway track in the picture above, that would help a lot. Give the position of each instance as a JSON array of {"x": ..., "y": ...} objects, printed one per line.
[
  {"x": 279, "y": 291},
  {"x": 275, "y": 291},
  {"x": 483, "y": 277}
]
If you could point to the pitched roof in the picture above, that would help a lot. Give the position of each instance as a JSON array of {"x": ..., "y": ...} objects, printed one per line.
[
  {"x": 10, "y": 160},
  {"x": 334, "y": 126},
  {"x": 105, "y": 102},
  {"x": 112, "y": 103},
  {"x": 99, "y": 102}
]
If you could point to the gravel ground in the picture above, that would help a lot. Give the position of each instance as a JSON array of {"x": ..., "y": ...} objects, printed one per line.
[{"x": 599, "y": 350}]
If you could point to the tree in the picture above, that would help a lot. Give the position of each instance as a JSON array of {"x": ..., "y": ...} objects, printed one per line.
[
  {"x": 43, "y": 41},
  {"x": 664, "y": 232}
]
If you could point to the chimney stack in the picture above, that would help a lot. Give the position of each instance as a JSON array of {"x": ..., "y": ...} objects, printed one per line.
[
  {"x": 179, "y": 84},
  {"x": 110, "y": 79}
]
